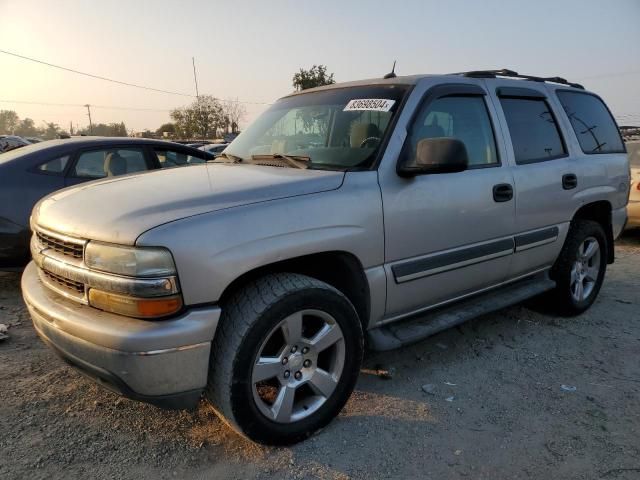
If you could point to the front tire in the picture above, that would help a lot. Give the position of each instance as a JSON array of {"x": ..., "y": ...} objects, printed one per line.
[
  {"x": 285, "y": 358},
  {"x": 580, "y": 268}
]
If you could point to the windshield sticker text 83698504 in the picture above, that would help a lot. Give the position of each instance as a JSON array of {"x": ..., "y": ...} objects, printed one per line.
[{"x": 369, "y": 104}]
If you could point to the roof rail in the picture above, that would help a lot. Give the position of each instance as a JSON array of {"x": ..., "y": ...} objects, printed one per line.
[{"x": 511, "y": 74}]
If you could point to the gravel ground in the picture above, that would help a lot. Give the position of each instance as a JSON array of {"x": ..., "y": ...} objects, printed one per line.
[{"x": 485, "y": 400}]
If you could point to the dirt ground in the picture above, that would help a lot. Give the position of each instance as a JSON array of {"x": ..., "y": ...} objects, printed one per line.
[{"x": 515, "y": 394}]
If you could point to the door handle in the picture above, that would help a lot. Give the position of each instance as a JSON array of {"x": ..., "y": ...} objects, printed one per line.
[
  {"x": 569, "y": 181},
  {"x": 503, "y": 192}
]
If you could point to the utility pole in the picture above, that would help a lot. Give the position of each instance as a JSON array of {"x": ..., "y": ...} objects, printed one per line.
[
  {"x": 70, "y": 128},
  {"x": 195, "y": 79},
  {"x": 90, "y": 124}
]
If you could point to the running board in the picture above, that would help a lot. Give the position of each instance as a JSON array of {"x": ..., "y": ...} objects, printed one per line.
[{"x": 421, "y": 326}]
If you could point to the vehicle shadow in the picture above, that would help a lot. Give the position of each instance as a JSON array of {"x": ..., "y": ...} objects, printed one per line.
[{"x": 629, "y": 237}]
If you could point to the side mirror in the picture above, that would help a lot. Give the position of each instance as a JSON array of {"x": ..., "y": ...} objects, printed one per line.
[{"x": 436, "y": 155}]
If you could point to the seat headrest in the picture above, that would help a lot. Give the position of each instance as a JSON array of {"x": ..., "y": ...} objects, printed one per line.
[
  {"x": 362, "y": 131},
  {"x": 115, "y": 164}
]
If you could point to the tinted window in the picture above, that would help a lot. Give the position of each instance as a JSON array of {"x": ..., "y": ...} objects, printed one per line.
[
  {"x": 463, "y": 118},
  {"x": 57, "y": 165},
  {"x": 110, "y": 162},
  {"x": 533, "y": 129},
  {"x": 173, "y": 158},
  {"x": 592, "y": 122}
]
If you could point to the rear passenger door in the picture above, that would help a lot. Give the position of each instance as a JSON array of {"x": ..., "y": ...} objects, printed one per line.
[
  {"x": 95, "y": 163},
  {"x": 545, "y": 177}
]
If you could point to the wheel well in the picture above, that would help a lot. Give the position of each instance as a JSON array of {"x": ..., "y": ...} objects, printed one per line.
[
  {"x": 599, "y": 212},
  {"x": 341, "y": 270}
]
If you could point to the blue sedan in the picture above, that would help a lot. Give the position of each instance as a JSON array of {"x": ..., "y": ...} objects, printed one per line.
[{"x": 29, "y": 173}]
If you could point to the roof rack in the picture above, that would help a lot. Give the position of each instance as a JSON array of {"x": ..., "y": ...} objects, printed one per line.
[{"x": 511, "y": 74}]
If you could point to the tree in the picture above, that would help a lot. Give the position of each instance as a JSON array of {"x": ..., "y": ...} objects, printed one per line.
[
  {"x": 316, "y": 76},
  {"x": 8, "y": 121},
  {"x": 27, "y": 128},
  {"x": 105, "y": 130},
  {"x": 51, "y": 131},
  {"x": 234, "y": 112},
  {"x": 202, "y": 118},
  {"x": 170, "y": 128}
]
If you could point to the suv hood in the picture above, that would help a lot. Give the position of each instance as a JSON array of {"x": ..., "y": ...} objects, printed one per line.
[{"x": 118, "y": 210}]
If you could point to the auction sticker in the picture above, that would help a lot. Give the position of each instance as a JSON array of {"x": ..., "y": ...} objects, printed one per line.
[{"x": 369, "y": 104}]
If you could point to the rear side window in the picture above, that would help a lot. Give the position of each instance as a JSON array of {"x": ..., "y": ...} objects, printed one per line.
[
  {"x": 594, "y": 126},
  {"x": 171, "y": 158},
  {"x": 55, "y": 166},
  {"x": 533, "y": 129},
  {"x": 110, "y": 162}
]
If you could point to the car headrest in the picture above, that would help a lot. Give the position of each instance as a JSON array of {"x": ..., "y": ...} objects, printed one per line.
[
  {"x": 361, "y": 131},
  {"x": 115, "y": 164}
]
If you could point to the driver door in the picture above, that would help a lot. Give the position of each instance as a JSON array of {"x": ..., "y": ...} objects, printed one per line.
[{"x": 448, "y": 234}]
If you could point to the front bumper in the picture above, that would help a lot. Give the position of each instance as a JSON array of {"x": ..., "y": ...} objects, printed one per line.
[{"x": 164, "y": 362}]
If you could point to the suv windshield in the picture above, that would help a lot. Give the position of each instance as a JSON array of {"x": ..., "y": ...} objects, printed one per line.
[{"x": 340, "y": 128}]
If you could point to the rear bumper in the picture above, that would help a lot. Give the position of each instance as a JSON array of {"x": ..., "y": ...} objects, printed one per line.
[
  {"x": 163, "y": 362},
  {"x": 633, "y": 210}
]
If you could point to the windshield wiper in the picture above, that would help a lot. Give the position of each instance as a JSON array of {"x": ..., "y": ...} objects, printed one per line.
[
  {"x": 298, "y": 161},
  {"x": 228, "y": 156}
]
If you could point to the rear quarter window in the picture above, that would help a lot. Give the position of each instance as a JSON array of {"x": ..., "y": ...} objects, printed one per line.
[{"x": 592, "y": 122}]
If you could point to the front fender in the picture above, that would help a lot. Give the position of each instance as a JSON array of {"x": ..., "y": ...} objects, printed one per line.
[{"x": 214, "y": 249}]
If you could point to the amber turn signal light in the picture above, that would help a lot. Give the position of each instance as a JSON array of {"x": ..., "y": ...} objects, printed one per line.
[{"x": 135, "y": 306}]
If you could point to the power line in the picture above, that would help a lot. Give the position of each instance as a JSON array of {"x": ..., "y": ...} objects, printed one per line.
[
  {"x": 81, "y": 105},
  {"x": 113, "y": 80},
  {"x": 94, "y": 76}
]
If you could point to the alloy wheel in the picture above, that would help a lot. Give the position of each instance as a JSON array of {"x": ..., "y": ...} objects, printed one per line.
[
  {"x": 298, "y": 366},
  {"x": 585, "y": 269}
]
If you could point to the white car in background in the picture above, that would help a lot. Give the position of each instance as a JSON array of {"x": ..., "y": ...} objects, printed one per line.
[
  {"x": 214, "y": 148},
  {"x": 633, "y": 209}
]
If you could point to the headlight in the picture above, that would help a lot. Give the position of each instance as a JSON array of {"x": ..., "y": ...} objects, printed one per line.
[{"x": 129, "y": 261}]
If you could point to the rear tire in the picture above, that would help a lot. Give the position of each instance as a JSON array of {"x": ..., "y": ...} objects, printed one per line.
[
  {"x": 580, "y": 268},
  {"x": 285, "y": 358}
]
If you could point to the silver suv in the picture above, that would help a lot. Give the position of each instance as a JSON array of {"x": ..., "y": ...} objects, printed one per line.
[{"x": 367, "y": 213}]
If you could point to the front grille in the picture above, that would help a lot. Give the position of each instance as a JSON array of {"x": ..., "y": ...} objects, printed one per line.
[
  {"x": 65, "y": 282},
  {"x": 64, "y": 247}
]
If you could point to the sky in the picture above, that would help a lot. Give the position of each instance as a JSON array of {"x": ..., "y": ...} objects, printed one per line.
[{"x": 249, "y": 50}]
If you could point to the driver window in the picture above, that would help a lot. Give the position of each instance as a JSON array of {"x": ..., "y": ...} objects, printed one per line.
[{"x": 464, "y": 118}]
